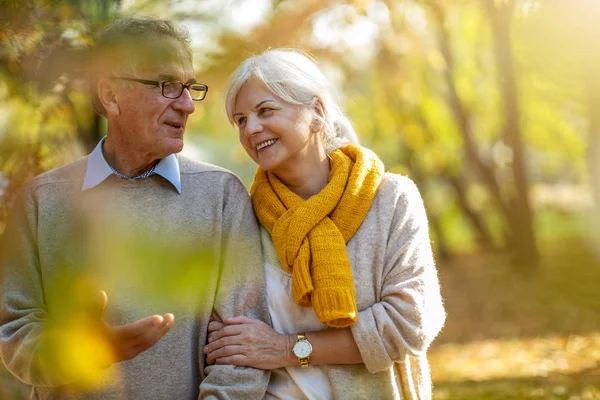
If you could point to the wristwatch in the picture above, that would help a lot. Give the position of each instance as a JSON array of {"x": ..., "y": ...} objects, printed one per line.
[{"x": 302, "y": 350}]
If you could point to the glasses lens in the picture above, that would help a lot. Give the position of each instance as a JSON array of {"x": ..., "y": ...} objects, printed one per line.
[
  {"x": 198, "y": 91},
  {"x": 172, "y": 89}
]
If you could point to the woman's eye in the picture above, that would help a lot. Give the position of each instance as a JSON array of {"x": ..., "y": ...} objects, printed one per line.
[
  {"x": 265, "y": 110},
  {"x": 241, "y": 121}
]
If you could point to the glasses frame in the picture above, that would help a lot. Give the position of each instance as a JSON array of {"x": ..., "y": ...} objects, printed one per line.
[{"x": 161, "y": 85}]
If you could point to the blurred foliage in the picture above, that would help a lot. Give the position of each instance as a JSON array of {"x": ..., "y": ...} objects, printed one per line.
[
  {"x": 428, "y": 85},
  {"x": 422, "y": 81},
  {"x": 46, "y": 115}
]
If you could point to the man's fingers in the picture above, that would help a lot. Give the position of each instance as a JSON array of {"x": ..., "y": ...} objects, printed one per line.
[
  {"x": 139, "y": 327},
  {"x": 133, "y": 339},
  {"x": 98, "y": 304},
  {"x": 168, "y": 320},
  {"x": 103, "y": 300}
]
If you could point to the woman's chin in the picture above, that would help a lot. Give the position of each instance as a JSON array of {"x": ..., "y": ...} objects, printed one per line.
[{"x": 269, "y": 165}]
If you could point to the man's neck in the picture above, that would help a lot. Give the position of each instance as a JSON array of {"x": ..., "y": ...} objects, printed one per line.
[{"x": 128, "y": 163}]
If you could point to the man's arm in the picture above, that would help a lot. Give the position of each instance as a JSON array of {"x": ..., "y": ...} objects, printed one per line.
[
  {"x": 68, "y": 343},
  {"x": 241, "y": 291},
  {"x": 24, "y": 316}
]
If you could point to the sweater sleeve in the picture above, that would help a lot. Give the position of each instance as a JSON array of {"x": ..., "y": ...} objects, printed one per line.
[
  {"x": 409, "y": 313},
  {"x": 23, "y": 314},
  {"x": 241, "y": 291}
]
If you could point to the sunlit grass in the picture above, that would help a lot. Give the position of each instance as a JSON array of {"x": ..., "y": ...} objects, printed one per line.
[
  {"x": 515, "y": 334},
  {"x": 515, "y": 358}
]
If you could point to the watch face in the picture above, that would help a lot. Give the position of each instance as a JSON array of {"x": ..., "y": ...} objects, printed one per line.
[{"x": 302, "y": 349}]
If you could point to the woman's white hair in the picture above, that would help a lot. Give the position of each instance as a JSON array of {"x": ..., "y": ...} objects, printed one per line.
[{"x": 296, "y": 79}]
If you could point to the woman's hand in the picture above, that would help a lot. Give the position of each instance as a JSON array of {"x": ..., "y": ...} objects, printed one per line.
[{"x": 248, "y": 342}]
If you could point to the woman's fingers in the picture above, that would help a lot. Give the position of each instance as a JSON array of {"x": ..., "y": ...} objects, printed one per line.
[
  {"x": 214, "y": 316},
  {"x": 215, "y": 326},
  {"x": 241, "y": 319},
  {"x": 230, "y": 330},
  {"x": 238, "y": 359},
  {"x": 253, "y": 344},
  {"x": 225, "y": 351},
  {"x": 220, "y": 342}
]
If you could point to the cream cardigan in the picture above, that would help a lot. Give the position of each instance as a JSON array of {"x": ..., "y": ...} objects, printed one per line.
[{"x": 398, "y": 296}]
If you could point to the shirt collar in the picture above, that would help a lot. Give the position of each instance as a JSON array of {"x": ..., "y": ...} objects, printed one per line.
[{"x": 98, "y": 169}]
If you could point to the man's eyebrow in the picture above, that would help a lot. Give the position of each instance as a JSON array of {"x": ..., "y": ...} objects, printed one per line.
[{"x": 168, "y": 77}]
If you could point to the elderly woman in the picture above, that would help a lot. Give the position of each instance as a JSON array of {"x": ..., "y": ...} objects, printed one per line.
[{"x": 352, "y": 287}]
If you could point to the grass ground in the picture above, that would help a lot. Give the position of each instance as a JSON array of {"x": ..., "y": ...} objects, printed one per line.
[{"x": 517, "y": 333}]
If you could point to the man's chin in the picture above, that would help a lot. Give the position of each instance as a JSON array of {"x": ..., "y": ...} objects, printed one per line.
[{"x": 173, "y": 146}]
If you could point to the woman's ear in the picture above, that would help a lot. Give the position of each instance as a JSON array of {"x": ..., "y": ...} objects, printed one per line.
[
  {"x": 319, "y": 109},
  {"x": 106, "y": 89}
]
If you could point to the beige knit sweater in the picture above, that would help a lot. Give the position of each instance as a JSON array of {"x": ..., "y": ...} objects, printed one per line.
[{"x": 153, "y": 251}]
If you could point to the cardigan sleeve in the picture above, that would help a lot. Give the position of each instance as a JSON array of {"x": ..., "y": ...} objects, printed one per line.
[
  {"x": 409, "y": 313},
  {"x": 241, "y": 291}
]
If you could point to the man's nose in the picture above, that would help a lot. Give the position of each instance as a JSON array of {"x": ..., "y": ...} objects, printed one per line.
[{"x": 185, "y": 102}]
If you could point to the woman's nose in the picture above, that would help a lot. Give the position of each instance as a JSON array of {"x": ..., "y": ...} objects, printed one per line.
[{"x": 253, "y": 125}]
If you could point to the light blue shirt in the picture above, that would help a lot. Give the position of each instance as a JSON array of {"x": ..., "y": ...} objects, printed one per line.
[{"x": 98, "y": 169}]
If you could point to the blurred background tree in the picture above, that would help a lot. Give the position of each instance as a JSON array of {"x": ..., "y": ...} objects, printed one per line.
[{"x": 490, "y": 106}]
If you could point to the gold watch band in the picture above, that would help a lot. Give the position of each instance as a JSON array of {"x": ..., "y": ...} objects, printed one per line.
[{"x": 304, "y": 361}]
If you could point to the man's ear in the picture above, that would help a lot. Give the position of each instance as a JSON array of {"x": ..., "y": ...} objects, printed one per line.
[{"x": 106, "y": 89}]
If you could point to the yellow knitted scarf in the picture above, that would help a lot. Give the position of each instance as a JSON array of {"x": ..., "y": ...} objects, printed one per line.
[{"x": 310, "y": 236}]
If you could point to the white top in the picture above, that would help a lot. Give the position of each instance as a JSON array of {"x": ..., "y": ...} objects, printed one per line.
[{"x": 289, "y": 318}]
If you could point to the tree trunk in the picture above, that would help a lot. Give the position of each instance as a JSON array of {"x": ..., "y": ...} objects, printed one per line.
[
  {"x": 434, "y": 221},
  {"x": 461, "y": 116},
  {"x": 519, "y": 211},
  {"x": 482, "y": 235}
]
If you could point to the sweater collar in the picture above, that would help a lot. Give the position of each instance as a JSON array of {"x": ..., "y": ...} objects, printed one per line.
[{"x": 98, "y": 169}]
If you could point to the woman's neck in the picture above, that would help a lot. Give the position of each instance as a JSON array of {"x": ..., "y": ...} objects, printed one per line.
[{"x": 307, "y": 180}]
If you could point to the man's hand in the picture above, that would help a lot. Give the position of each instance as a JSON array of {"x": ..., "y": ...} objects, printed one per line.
[{"x": 131, "y": 339}]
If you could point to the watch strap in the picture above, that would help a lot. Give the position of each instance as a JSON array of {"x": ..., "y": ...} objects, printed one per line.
[{"x": 304, "y": 362}]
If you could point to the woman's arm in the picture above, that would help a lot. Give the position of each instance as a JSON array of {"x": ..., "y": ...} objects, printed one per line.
[
  {"x": 410, "y": 312},
  {"x": 249, "y": 342},
  {"x": 402, "y": 323}
]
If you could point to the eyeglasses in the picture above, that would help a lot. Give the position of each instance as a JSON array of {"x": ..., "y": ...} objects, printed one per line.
[{"x": 173, "y": 89}]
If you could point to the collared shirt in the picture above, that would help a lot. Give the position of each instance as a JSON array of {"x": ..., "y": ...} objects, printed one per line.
[{"x": 98, "y": 169}]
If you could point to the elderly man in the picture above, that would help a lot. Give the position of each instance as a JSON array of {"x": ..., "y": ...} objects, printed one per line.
[{"x": 111, "y": 266}]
